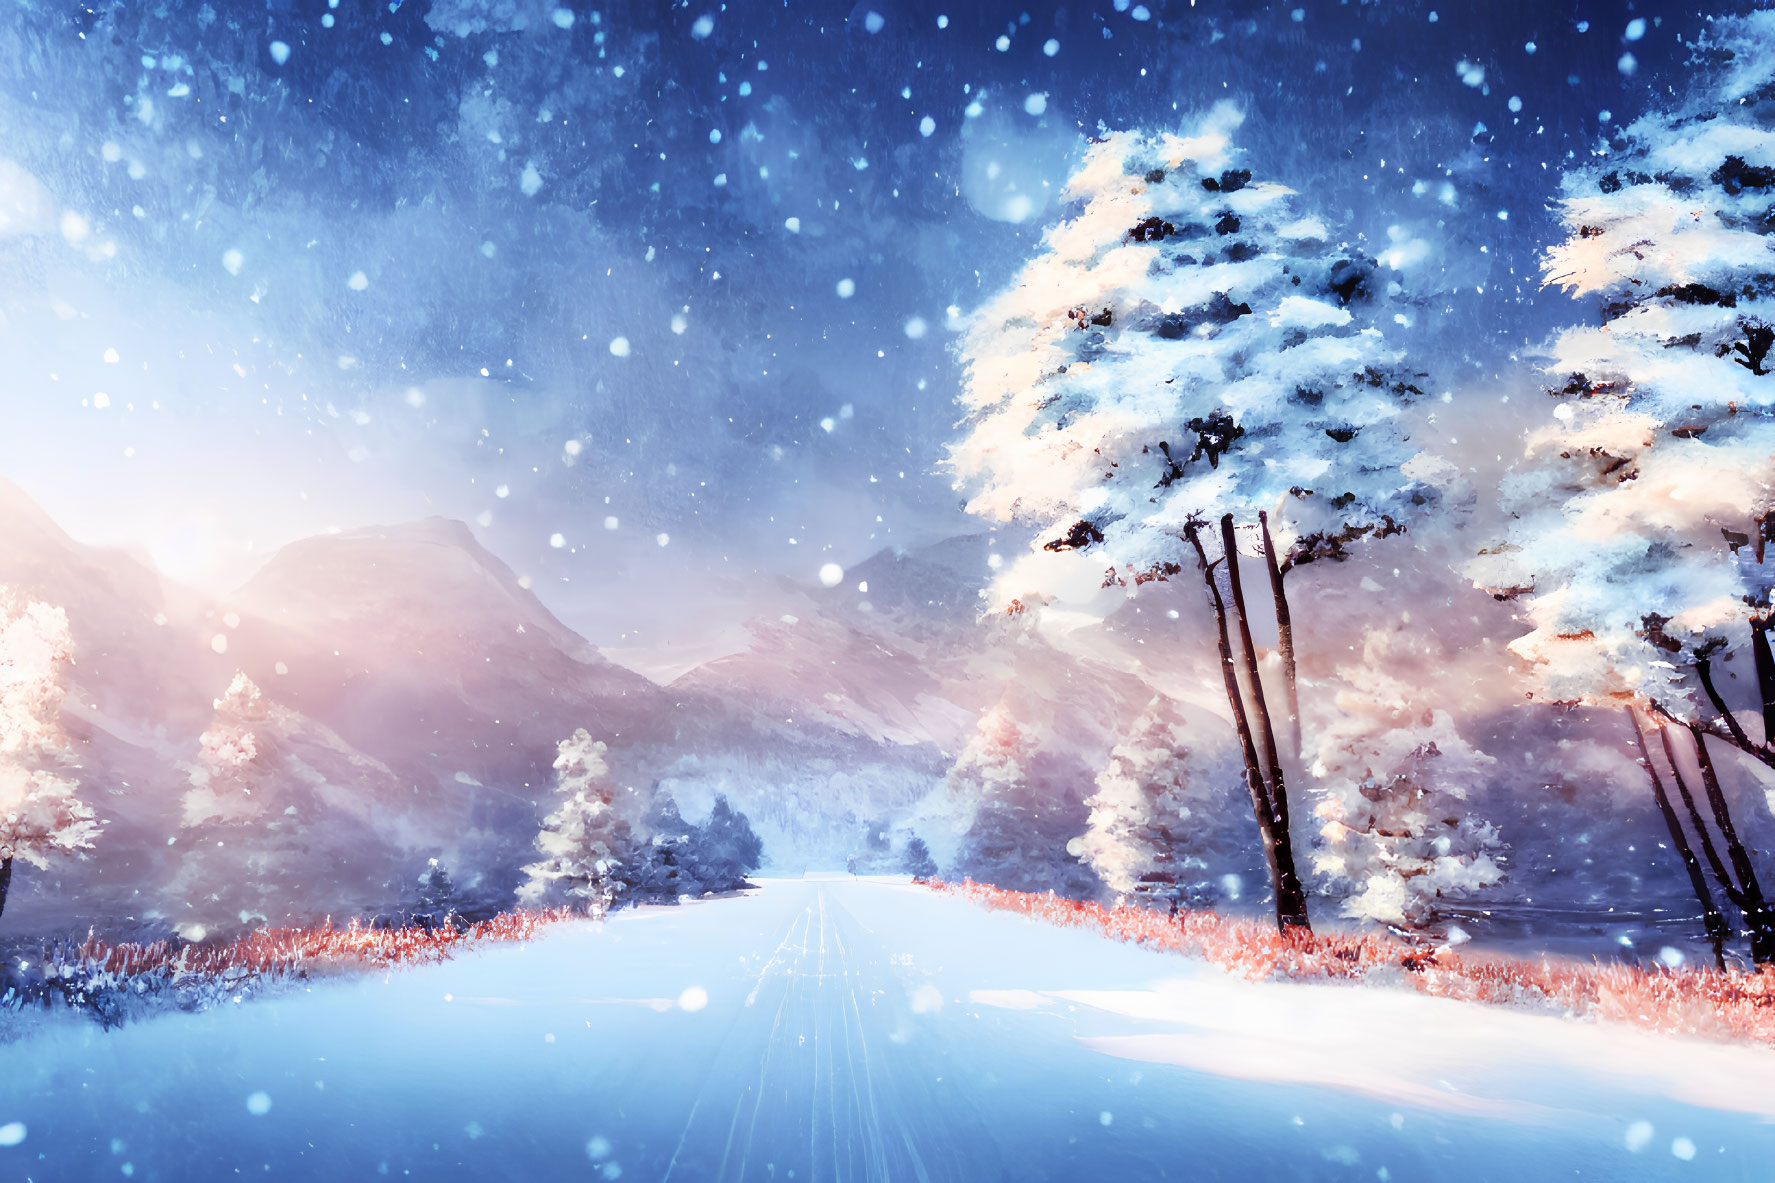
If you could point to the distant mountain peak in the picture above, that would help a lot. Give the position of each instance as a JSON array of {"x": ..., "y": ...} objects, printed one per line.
[
  {"x": 405, "y": 574},
  {"x": 22, "y": 518},
  {"x": 939, "y": 581}
]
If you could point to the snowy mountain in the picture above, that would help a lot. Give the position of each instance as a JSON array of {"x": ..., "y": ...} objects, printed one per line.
[
  {"x": 416, "y": 644},
  {"x": 883, "y": 658},
  {"x": 902, "y": 653},
  {"x": 413, "y": 693},
  {"x": 139, "y": 690},
  {"x": 900, "y": 661},
  {"x": 142, "y": 639}
]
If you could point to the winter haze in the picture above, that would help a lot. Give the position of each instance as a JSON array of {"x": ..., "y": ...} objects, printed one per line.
[{"x": 667, "y": 521}]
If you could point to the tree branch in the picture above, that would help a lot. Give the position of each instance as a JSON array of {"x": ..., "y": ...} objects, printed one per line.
[{"x": 1704, "y": 671}]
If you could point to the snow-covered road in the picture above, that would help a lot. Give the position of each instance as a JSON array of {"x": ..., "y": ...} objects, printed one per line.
[{"x": 827, "y": 1030}]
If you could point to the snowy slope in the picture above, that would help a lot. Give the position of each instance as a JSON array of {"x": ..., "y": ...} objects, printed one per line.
[
  {"x": 150, "y": 658},
  {"x": 421, "y": 649},
  {"x": 894, "y": 653},
  {"x": 911, "y": 660},
  {"x": 140, "y": 691},
  {"x": 142, "y": 640},
  {"x": 868, "y": 1030}
]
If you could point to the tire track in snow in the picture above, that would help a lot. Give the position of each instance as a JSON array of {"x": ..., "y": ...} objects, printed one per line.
[{"x": 833, "y": 1087}]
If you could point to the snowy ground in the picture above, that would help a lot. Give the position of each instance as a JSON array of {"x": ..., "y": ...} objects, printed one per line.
[{"x": 836, "y": 1029}]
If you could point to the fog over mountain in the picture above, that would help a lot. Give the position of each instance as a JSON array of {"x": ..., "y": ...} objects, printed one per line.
[{"x": 416, "y": 692}]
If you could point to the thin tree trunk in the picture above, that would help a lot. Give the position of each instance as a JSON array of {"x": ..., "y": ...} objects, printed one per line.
[
  {"x": 1260, "y": 797},
  {"x": 5, "y": 881},
  {"x": 1289, "y": 880},
  {"x": 1284, "y": 632},
  {"x": 1739, "y": 740},
  {"x": 1721, "y": 876},
  {"x": 1710, "y": 915},
  {"x": 1755, "y": 905},
  {"x": 1765, "y": 667}
]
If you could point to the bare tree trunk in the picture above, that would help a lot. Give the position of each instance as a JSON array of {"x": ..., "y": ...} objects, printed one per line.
[
  {"x": 1735, "y": 730},
  {"x": 1284, "y": 632},
  {"x": 1710, "y": 915},
  {"x": 1288, "y": 880},
  {"x": 1260, "y": 797},
  {"x": 1257, "y": 703},
  {"x": 1758, "y": 917},
  {"x": 5, "y": 881},
  {"x": 1765, "y": 667},
  {"x": 1721, "y": 876}
]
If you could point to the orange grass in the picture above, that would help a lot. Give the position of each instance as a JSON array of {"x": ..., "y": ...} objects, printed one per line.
[
  {"x": 1705, "y": 1002},
  {"x": 290, "y": 951}
]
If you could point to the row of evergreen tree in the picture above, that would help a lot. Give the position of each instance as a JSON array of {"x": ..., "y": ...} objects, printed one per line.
[{"x": 244, "y": 851}]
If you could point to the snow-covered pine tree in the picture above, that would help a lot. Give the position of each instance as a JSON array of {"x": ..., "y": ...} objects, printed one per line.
[
  {"x": 258, "y": 840},
  {"x": 987, "y": 782},
  {"x": 916, "y": 860},
  {"x": 1191, "y": 359},
  {"x": 1638, "y": 546},
  {"x": 1392, "y": 779},
  {"x": 232, "y": 759},
  {"x": 724, "y": 849},
  {"x": 40, "y": 814},
  {"x": 660, "y": 870},
  {"x": 436, "y": 896},
  {"x": 1139, "y": 812},
  {"x": 234, "y": 850},
  {"x": 1014, "y": 816},
  {"x": 585, "y": 841}
]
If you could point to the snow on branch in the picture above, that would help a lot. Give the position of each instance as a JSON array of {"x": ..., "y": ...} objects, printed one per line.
[
  {"x": 40, "y": 814},
  {"x": 1392, "y": 779},
  {"x": 1140, "y": 813},
  {"x": 232, "y": 760},
  {"x": 585, "y": 840},
  {"x": 1189, "y": 343},
  {"x": 1638, "y": 542}
]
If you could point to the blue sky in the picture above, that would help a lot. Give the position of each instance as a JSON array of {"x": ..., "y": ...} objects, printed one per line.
[{"x": 623, "y": 274}]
